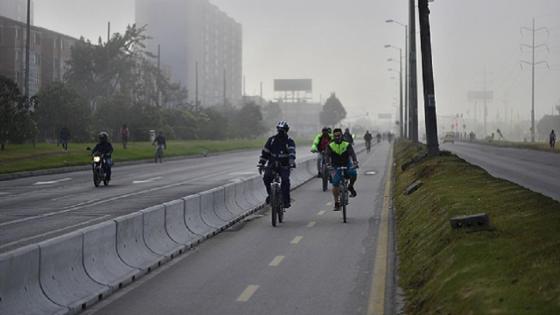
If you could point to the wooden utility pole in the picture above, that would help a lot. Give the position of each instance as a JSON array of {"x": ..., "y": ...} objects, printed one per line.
[
  {"x": 413, "y": 87},
  {"x": 428, "y": 78}
]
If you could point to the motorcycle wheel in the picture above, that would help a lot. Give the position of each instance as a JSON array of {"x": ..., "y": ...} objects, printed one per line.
[{"x": 96, "y": 179}]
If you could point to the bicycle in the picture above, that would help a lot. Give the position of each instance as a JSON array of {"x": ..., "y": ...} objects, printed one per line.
[
  {"x": 276, "y": 202},
  {"x": 343, "y": 191},
  {"x": 368, "y": 146},
  {"x": 324, "y": 171}
]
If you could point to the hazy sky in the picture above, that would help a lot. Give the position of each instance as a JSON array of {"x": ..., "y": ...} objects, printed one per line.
[{"x": 339, "y": 44}]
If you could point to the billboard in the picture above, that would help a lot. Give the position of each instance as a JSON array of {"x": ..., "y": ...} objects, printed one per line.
[{"x": 289, "y": 85}]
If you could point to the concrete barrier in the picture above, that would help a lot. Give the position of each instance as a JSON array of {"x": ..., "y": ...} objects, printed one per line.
[
  {"x": 231, "y": 200},
  {"x": 242, "y": 197},
  {"x": 63, "y": 277},
  {"x": 249, "y": 193},
  {"x": 20, "y": 290},
  {"x": 207, "y": 210},
  {"x": 193, "y": 217},
  {"x": 101, "y": 260},
  {"x": 156, "y": 236},
  {"x": 258, "y": 189},
  {"x": 175, "y": 224},
  {"x": 219, "y": 195},
  {"x": 131, "y": 246}
]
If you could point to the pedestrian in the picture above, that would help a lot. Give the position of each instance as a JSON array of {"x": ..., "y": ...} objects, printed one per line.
[
  {"x": 124, "y": 135},
  {"x": 552, "y": 139},
  {"x": 64, "y": 137}
]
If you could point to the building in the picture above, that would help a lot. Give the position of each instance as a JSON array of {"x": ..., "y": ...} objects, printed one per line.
[
  {"x": 47, "y": 55},
  {"x": 199, "y": 44},
  {"x": 16, "y": 10}
]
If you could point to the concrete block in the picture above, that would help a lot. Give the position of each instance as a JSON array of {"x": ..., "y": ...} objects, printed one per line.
[
  {"x": 193, "y": 217},
  {"x": 101, "y": 260},
  {"x": 156, "y": 236},
  {"x": 131, "y": 246},
  {"x": 207, "y": 210},
  {"x": 176, "y": 226},
  {"x": 63, "y": 277},
  {"x": 20, "y": 289},
  {"x": 231, "y": 200},
  {"x": 243, "y": 198},
  {"x": 219, "y": 195},
  {"x": 478, "y": 220},
  {"x": 413, "y": 187}
]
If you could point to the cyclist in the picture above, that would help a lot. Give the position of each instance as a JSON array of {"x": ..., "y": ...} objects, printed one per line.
[
  {"x": 348, "y": 136},
  {"x": 160, "y": 144},
  {"x": 282, "y": 149},
  {"x": 105, "y": 149},
  {"x": 367, "y": 138},
  {"x": 341, "y": 154},
  {"x": 320, "y": 144}
]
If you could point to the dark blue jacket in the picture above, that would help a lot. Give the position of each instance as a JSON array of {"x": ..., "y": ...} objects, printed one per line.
[
  {"x": 104, "y": 148},
  {"x": 279, "y": 148}
]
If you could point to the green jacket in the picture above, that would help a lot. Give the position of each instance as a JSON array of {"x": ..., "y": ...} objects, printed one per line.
[{"x": 317, "y": 141}]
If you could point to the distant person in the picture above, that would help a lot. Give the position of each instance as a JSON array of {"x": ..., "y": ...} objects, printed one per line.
[
  {"x": 347, "y": 136},
  {"x": 367, "y": 139},
  {"x": 104, "y": 149},
  {"x": 500, "y": 134},
  {"x": 161, "y": 145},
  {"x": 124, "y": 135},
  {"x": 552, "y": 139},
  {"x": 64, "y": 137}
]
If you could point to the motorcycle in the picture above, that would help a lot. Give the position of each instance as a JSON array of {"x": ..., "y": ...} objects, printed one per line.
[{"x": 98, "y": 168}]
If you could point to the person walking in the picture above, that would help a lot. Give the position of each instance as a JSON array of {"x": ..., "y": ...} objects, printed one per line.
[
  {"x": 552, "y": 139},
  {"x": 124, "y": 135}
]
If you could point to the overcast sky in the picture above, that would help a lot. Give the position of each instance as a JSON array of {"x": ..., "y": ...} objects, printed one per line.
[{"x": 339, "y": 44}]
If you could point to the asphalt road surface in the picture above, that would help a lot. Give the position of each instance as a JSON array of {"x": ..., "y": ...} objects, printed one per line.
[
  {"x": 313, "y": 263},
  {"x": 37, "y": 208},
  {"x": 536, "y": 170}
]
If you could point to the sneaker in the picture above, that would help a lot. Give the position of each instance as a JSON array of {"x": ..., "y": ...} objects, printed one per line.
[
  {"x": 336, "y": 206},
  {"x": 352, "y": 191}
]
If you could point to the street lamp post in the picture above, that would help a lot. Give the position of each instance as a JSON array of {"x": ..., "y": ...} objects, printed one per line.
[
  {"x": 27, "y": 47},
  {"x": 406, "y": 78},
  {"x": 401, "y": 120}
]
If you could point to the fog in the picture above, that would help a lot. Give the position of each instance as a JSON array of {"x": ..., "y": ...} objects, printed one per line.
[{"x": 340, "y": 45}]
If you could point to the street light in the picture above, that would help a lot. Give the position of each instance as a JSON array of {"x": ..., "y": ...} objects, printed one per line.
[
  {"x": 402, "y": 131},
  {"x": 407, "y": 78}
]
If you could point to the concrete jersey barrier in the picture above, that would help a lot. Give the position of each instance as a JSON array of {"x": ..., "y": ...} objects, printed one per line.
[
  {"x": 193, "y": 217},
  {"x": 156, "y": 236},
  {"x": 175, "y": 224}
]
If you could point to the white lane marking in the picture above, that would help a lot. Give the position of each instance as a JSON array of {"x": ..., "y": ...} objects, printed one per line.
[
  {"x": 311, "y": 224},
  {"x": 276, "y": 261},
  {"x": 98, "y": 202},
  {"x": 242, "y": 173},
  {"x": 53, "y": 231},
  {"x": 50, "y": 182},
  {"x": 296, "y": 240},
  {"x": 321, "y": 212},
  {"x": 248, "y": 293},
  {"x": 149, "y": 180},
  {"x": 329, "y": 203}
]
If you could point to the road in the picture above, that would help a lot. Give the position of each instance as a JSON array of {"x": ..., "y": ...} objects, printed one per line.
[
  {"x": 37, "y": 208},
  {"x": 536, "y": 170},
  {"x": 311, "y": 264}
]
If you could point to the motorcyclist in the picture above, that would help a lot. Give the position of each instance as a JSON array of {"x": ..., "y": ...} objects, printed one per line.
[
  {"x": 367, "y": 139},
  {"x": 341, "y": 154},
  {"x": 320, "y": 144},
  {"x": 105, "y": 150},
  {"x": 282, "y": 149},
  {"x": 348, "y": 136}
]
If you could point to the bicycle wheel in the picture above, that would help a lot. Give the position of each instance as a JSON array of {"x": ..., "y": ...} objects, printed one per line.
[
  {"x": 280, "y": 212},
  {"x": 325, "y": 177},
  {"x": 344, "y": 201},
  {"x": 274, "y": 203}
]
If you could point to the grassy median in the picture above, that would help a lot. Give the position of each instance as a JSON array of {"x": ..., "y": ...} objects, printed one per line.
[
  {"x": 539, "y": 146},
  {"x": 17, "y": 158},
  {"x": 511, "y": 268}
]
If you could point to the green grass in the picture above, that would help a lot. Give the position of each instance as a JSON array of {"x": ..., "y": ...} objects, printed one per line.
[
  {"x": 513, "y": 268},
  {"x": 541, "y": 146}
]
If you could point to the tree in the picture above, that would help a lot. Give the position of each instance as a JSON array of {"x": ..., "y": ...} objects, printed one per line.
[
  {"x": 247, "y": 122},
  {"x": 333, "y": 111},
  {"x": 61, "y": 106},
  {"x": 15, "y": 118}
]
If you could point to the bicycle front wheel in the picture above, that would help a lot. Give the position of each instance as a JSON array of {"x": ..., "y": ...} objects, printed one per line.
[{"x": 275, "y": 204}]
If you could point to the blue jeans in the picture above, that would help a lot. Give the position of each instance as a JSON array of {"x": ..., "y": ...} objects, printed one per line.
[{"x": 337, "y": 175}]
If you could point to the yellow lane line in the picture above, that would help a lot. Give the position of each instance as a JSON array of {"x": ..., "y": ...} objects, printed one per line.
[
  {"x": 296, "y": 240},
  {"x": 276, "y": 261},
  {"x": 376, "y": 305},
  {"x": 248, "y": 293}
]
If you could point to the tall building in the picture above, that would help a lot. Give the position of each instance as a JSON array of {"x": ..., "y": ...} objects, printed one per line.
[
  {"x": 200, "y": 46},
  {"x": 16, "y": 10},
  {"x": 48, "y": 53}
]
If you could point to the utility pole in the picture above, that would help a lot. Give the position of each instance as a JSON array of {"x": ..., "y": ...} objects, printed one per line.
[
  {"x": 196, "y": 101},
  {"x": 406, "y": 84},
  {"x": 108, "y": 31},
  {"x": 413, "y": 88},
  {"x": 27, "y": 47},
  {"x": 428, "y": 78},
  {"x": 533, "y": 30},
  {"x": 225, "y": 88},
  {"x": 158, "y": 74}
]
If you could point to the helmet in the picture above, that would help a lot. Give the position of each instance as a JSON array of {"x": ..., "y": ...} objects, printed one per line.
[
  {"x": 103, "y": 136},
  {"x": 282, "y": 125}
]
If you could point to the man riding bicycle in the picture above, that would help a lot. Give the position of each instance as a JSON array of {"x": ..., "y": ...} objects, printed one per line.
[
  {"x": 320, "y": 144},
  {"x": 279, "y": 154},
  {"x": 160, "y": 144},
  {"x": 367, "y": 138},
  {"x": 341, "y": 154}
]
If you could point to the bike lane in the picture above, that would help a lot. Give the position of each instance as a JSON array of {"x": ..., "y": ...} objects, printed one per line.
[{"x": 310, "y": 264}]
